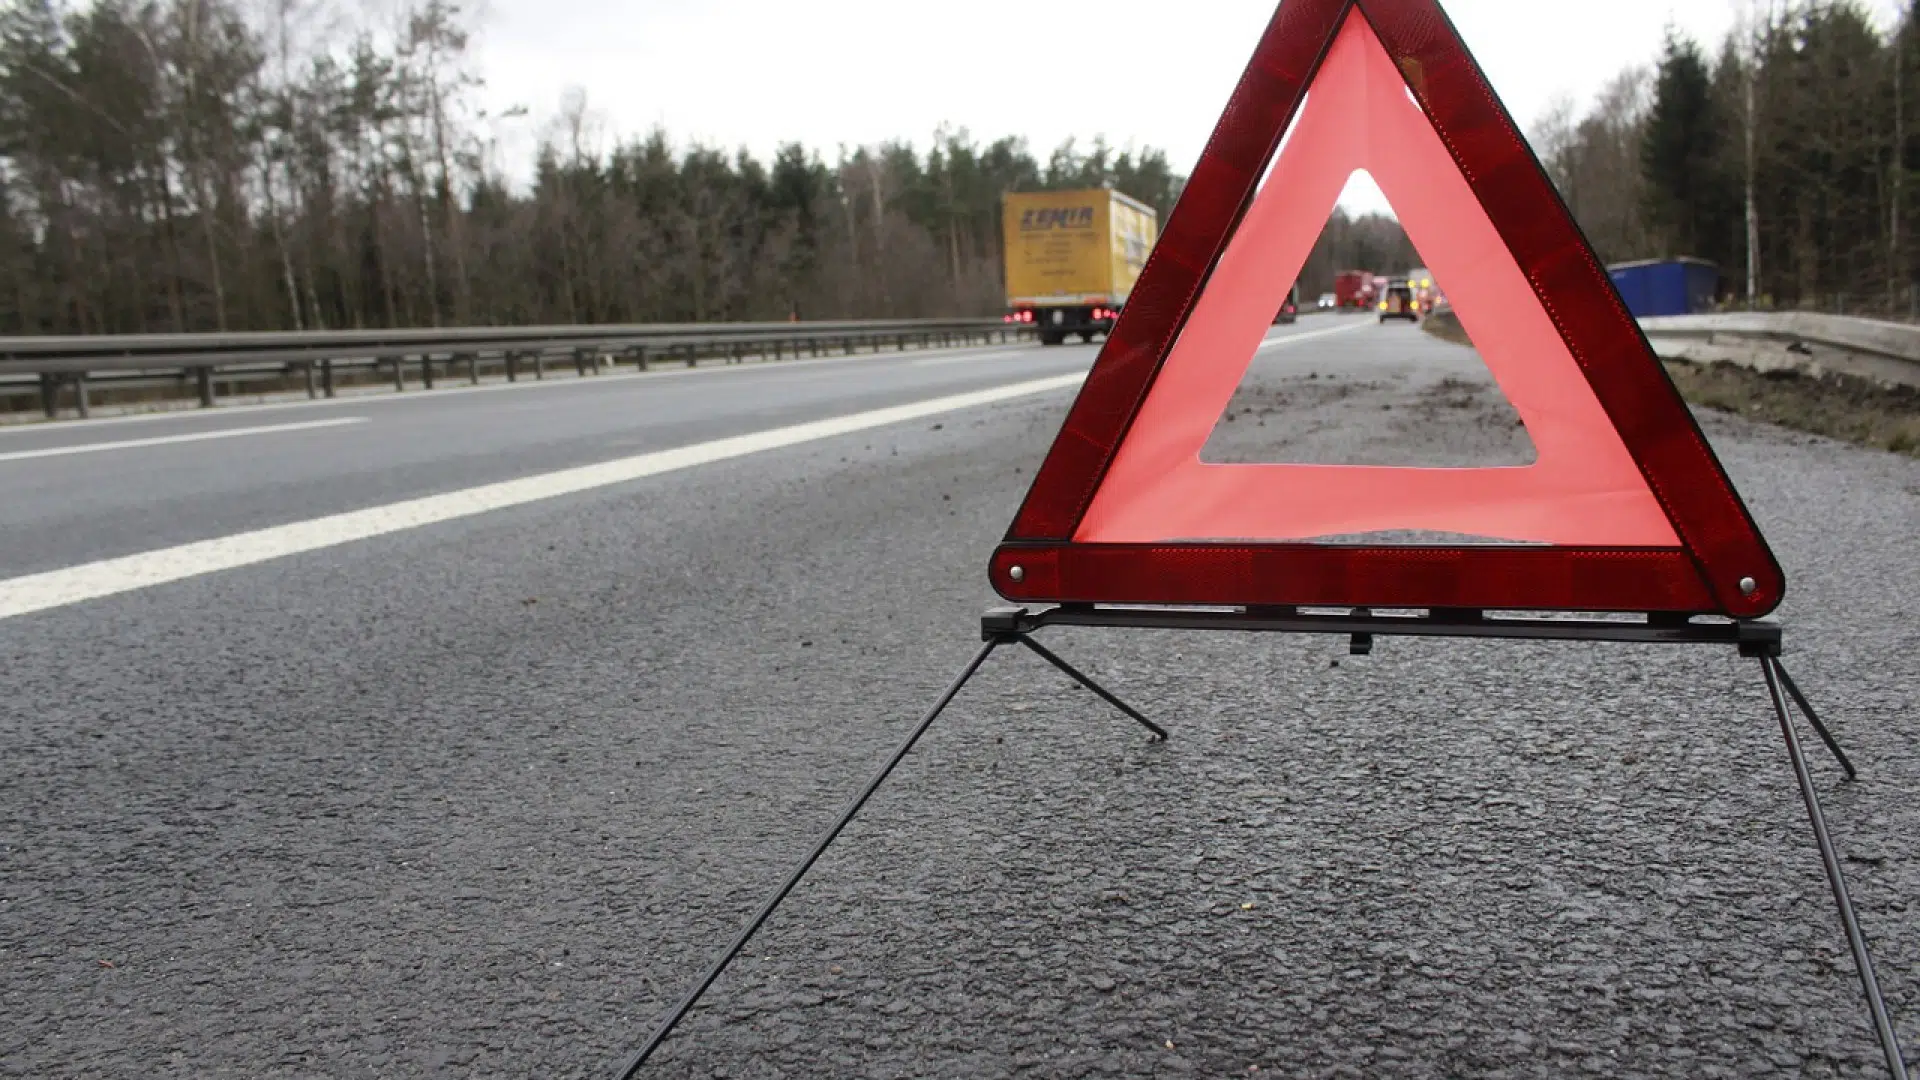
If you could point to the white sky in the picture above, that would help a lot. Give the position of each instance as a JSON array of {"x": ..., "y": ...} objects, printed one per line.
[{"x": 756, "y": 73}]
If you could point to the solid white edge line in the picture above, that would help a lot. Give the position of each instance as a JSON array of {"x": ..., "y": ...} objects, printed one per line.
[
  {"x": 1269, "y": 343},
  {"x": 1295, "y": 339},
  {"x": 89, "y": 581},
  {"x": 164, "y": 440}
]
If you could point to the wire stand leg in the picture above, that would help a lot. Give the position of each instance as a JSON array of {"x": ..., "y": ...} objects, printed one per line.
[
  {"x": 632, "y": 1064},
  {"x": 1159, "y": 733},
  {"x": 1813, "y": 718},
  {"x": 1876, "y": 1004}
]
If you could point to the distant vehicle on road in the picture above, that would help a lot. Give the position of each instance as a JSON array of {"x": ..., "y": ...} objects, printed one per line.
[
  {"x": 1425, "y": 291},
  {"x": 1328, "y": 301},
  {"x": 1290, "y": 307},
  {"x": 1378, "y": 287},
  {"x": 1353, "y": 289},
  {"x": 1072, "y": 258},
  {"x": 1397, "y": 302},
  {"x": 1678, "y": 286}
]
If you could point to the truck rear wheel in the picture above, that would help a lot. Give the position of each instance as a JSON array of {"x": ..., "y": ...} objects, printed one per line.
[
  {"x": 1051, "y": 339},
  {"x": 1086, "y": 337}
]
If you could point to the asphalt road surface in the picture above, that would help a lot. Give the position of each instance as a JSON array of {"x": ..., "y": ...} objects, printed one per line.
[{"x": 505, "y": 708}]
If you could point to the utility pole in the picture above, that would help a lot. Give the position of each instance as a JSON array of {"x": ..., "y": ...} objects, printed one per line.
[
  {"x": 1896, "y": 272},
  {"x": 1751, "y": 29}
]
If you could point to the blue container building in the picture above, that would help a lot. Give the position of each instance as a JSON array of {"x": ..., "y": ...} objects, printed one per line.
[{"x": 1666, "y": 286}]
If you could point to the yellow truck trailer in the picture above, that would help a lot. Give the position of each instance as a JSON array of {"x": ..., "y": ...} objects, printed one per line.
[{"x": 1072, "y": 258}]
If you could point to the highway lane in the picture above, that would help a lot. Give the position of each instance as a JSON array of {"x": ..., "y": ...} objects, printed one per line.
[
  {"x": 478, "y": 798},
  {"x": 75, "y": 493},
  {"x": 62, "y": 510},
  {"x": 72, "y": 494}
]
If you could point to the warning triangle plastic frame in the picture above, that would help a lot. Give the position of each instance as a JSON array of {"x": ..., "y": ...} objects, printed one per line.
[{"x": 1721, "y": 564}]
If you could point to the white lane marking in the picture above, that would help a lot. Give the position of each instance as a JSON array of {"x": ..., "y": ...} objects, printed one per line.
[
  {"x": 356, "y": 396},
  {"x": 72, "y": 585},
  {"x": 1270, "y": 343},
  {"x": 1295, "y": 339},
  {"x": 162, "y": 440},
  {"x": 936, "y": 361}
]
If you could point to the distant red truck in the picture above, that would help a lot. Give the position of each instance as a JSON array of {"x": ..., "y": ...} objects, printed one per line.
[{"x": 1352, "y": 288}]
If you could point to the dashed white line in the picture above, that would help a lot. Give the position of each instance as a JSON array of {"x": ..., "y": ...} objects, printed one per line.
[
  {"x": 72, "y": 585},
  {"x": 163, "y": 440},
  {"x": 939, "y": 361}
]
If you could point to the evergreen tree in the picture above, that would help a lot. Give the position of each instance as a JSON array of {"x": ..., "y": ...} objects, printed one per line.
[{"x": 1689, "y": 198}]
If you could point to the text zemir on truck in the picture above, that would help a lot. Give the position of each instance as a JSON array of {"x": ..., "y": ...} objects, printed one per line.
[{"x": 1072, "y": 258}]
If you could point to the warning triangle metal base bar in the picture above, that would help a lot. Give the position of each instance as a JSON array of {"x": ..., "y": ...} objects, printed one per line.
[
  {"x": 1757, "y": 638},
  {"x": 1658, "y": 628}
]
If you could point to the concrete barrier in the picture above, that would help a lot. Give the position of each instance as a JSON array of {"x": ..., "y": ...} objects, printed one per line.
[{"x": 1886, "y": 353}]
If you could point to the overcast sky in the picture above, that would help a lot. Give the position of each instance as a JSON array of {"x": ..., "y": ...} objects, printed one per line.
[{"x": 756, "y": 73}]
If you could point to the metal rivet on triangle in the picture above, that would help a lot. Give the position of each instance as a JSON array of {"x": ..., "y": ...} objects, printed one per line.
[
  {"x": 1747, "y": 586},
  {"x": 1017, "y": 573}
]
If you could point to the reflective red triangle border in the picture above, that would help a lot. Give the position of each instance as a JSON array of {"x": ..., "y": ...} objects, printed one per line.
[{"x": 1721, "y": 546}]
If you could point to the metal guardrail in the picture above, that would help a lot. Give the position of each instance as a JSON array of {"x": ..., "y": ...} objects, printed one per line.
[
  {"x": 1887, "y": 353},
  {"x": 73, "y": 363},
  {"x": 1884, "y": 352}
]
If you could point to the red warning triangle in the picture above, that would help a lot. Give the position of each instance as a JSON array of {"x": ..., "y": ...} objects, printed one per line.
[{"x": 1625, "y": 508}]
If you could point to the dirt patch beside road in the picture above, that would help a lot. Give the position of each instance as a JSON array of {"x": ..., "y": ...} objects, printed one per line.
[{"x": 1837, "y": 406}]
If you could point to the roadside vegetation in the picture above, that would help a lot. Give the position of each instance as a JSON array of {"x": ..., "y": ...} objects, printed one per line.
[{"x": 181, "y": 165}]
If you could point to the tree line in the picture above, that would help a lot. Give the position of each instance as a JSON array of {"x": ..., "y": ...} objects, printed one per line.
[
  {"x": 182, "y": 165},
  {"x": 1784, "y": 155}
]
